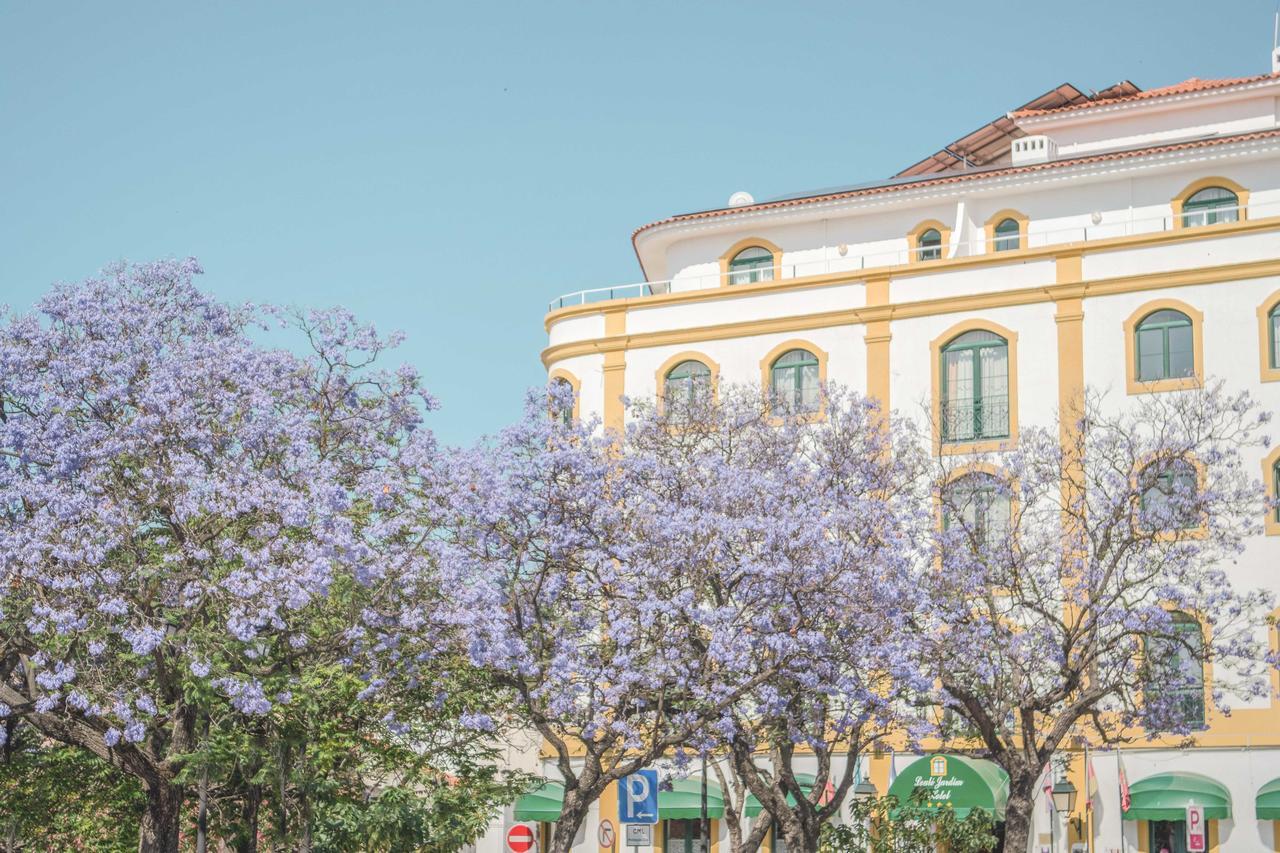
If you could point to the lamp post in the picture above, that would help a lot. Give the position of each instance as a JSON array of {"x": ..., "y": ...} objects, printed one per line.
[
  {"x": 1064, "y": 801},
  {"x": 704, "y": 825}
]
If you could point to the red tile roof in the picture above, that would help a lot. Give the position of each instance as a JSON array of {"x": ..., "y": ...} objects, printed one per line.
[
  {"x": 1195, "y": 84},
  {"x": 954, "y": 178}
]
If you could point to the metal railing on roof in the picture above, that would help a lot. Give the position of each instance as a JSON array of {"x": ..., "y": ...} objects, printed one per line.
[{"x": 1103, "y": 229}]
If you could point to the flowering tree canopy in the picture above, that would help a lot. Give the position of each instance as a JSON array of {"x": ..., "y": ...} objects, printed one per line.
[
  {"x": 811, "y": 526},
  {"x": 1083, "y": 579},
  {"x": 172, "y": 495}
]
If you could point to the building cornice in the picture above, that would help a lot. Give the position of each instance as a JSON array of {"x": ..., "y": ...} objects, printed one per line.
[
  {"x": 1051, "y": 292},
  {"x": 959, "y": 184}
]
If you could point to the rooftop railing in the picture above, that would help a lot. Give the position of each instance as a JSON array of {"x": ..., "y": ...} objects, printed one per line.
[{"x": 834, "y": 263}]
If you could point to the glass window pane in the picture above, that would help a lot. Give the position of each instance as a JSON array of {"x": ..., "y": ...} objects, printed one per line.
[
  {"x": 1007, "y": 235},
  {"x": 784, "y": 388},
  {"x": 1181, "y": 354},
  {"x": 1275, "y": 337},
  {"x": 1150, "y": 354},
  {"x": 808, "y": 401}
]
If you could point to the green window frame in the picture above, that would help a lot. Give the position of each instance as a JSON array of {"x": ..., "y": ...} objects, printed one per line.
[
  {"x": 752, "y": 264},
  {"x": 1210, "y": 206},
  {"x": 975, "y": 387},
  {"x": 559, "y": 410},
  {"x": 1275, "y": 489},
  {"x": 794, "y": 379},
  {"x": 1273, "y": 336},
  {"x": 981, "y": 504},
  {"x": 686, "y": 383},
  {"x": 1008, "y": 235},
  {"x": 1164, "y": 346},
  {"x": 1180, "y": 656},
  {"x": 929, "y": 245},
  {"x": 1177, "y": 478}
]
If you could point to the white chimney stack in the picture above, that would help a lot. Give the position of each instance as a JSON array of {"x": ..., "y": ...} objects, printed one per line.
[{"x": 1275, "y": 46}]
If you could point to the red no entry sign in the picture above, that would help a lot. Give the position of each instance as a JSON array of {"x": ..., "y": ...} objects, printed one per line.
[{"x": 520, "y": 838}]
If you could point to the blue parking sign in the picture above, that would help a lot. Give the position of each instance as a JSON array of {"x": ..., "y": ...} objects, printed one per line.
[{"x": 638, "y": 799}]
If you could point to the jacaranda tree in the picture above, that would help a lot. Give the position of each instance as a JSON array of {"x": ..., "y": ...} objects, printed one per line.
[
  {"x": 173, "y": 493},
  {"x": 810, "y": 525},
  {"x": 579, "y": 592},
  {"x": 1083, "y": 579}
]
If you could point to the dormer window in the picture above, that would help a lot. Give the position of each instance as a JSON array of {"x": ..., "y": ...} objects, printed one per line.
[
  {"x": 1008, "y": 235},
  {"x": 1210, "y": 206},
  {"x": 929, "y": 246},
  {"x": 752, "y": 264}
]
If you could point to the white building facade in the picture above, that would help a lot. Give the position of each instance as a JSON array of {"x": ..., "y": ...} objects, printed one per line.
[{"x": 1076, "y": 232}]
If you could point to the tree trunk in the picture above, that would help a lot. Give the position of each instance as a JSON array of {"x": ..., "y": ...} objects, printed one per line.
[
  {"x": 799, "y": 837},
  {"x": 202, "y": 814},
  {"x": 159, "y": 831},
  {"x": 249, "y": 820},
  {"x": 572, "y": 814},
  {"x": 1017, "y": 816}
]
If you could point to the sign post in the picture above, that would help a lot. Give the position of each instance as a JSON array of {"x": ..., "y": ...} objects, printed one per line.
[
  {"x": 638, "y": 807},
  {"x": 1197, "y": 836}
]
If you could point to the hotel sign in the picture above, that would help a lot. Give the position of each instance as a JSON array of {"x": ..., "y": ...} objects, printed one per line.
[{"x": 939, "y": 785}]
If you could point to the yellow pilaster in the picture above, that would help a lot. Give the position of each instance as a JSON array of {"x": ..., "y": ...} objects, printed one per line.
[
  {"x": 615, "y": 368},
  {"x": 877, "y": 338},
  {"x": 609, "y": 810}
]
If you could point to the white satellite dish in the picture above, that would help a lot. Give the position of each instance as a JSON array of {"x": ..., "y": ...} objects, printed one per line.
[{"x": 741, "y": 198}]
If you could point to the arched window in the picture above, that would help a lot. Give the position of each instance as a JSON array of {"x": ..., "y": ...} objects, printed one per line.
[
  {"x": 1273, "y": 337},
  {"x": 752, "y": 264},
  {"x": 1275, "y": 490},
  {"x": 980, "y": 505},
  {"x": 686, "y": 382},
  {"x": 1165, "y": 346},
  {"x": 929, "y": 245},
  {"x": 1210, "y": 205},
  {"x": 793, "y": 382},
  {"x": 1170, "y": 496},
  {"x": 1008, "y": 235},
  {"x": 1177, "y": 671},
  {"x": 561, "y": 400},
  {"x": 975, "y": 387}
]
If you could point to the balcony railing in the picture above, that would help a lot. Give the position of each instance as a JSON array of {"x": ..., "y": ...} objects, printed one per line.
[
  {"x": 968, "y": 419},
  {"x": 834, "y": 263}
]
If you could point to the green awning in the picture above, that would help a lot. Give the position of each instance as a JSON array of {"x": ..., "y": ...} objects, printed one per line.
[
  {"x": 751, "y": 807},
  {"x": 956, "y": 782},
  {"x": 542, "y": 803},
  {"x": 1166, "y": 796},
  {"x": 1268, "y": 801},
  {"x": 684, "y": 800}
]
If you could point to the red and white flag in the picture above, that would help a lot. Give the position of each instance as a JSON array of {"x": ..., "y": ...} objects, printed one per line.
[{"x": 1125, "y": 800}]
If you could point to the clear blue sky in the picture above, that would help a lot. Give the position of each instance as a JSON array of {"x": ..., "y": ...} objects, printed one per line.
[{"x": 445, "y": 169}]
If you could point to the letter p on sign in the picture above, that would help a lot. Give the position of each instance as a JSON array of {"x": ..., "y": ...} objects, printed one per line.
[{"x": 1197, "y": 841}]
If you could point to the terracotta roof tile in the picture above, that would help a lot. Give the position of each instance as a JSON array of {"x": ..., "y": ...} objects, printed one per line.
[
  {"x": 1195, "y": 84},
  {"x": 881, "y": 189}
]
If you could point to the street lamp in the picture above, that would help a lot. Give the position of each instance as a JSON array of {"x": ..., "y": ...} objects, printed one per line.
[
  {"x": 1064, "y": 796},
  {"x": 865, "y": 790}
]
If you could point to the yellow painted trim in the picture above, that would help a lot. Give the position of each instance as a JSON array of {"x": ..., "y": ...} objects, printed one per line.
[
  {"x": 1132, "y": 385},
  {"x": 935, "y": 354},
  {"x": 1112, "y": 244},
  {"x": 748, "y": 243},
  {"x": 1144, "y": 837},
  {"x": 1268, "y": 373},
  {"x": 660, "y": 375},
  {"x": 877, "y": 337},
  {"x": 1218, "y": 274},
  {"x": 615, "y": 370},
  {"x": 1269, "y": 481},
  {"x": 574, "y": 383},
  {"x": 913, "y": 242},
  {"x": 781, "y": 349},
  {"x": 1213, "y": 835},
  {"x": 609, "y": 809},
  {"x": 1242, "y": 199},
  {"x": 1000, "y": 216},
  {"x": 714, "y": 829},
  {"x": 1069, "y": 320}
]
